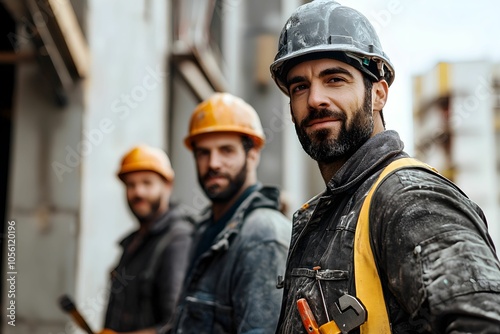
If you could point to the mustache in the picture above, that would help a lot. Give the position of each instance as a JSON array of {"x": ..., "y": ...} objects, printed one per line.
[
  {"x": 136, "y": 200},
  {"x": 321, "y": 113},
  {"x": 213, "y": 173}
]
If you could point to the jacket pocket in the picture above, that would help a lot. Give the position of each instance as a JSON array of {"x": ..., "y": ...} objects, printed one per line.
[
  {"x": 202, "y": 315},
  {"x": 322, "y": 274},
  {"x": 305, "y": 283},
  {"x": 455, "y": 264},
  {"x": 197, "y": 316}
]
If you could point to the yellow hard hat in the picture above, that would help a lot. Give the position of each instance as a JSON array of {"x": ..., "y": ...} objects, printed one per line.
[
  {"x": 224, "y": 112},
  {"x": 146, "y": 158}
]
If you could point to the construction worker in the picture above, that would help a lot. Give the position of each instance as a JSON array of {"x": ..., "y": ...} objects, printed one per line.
[
  {"x": 146, "y": 283},
  {"x": 242, "y": 240},
  {"x": 417, "y": 258}
]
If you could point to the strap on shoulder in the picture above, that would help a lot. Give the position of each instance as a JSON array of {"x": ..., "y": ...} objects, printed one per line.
[{"x": 368, "y": 285}]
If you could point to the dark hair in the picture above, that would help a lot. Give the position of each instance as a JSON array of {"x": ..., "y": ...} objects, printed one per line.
[
  {"x": 368, "y": 81},
  {"x": 248, "y": 143}
]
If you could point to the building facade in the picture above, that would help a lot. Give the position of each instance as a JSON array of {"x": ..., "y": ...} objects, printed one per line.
[{"x": 457, "y": 130}]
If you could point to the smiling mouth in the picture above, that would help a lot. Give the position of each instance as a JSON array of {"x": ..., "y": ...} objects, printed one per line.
[
  {"x": 320, "y": 121},
  {"x": 214, "y": 179}
]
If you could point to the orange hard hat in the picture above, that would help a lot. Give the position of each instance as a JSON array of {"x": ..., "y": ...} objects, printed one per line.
[
  {"x": 146, "y": 158},
  {"x": 224, "y": 112}
]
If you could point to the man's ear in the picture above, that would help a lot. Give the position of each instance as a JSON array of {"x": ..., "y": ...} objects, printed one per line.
[
  {"x": 380, "y": 91},
  {"x": 168, "y": 184},
  {"x": 253, "y": 157}
]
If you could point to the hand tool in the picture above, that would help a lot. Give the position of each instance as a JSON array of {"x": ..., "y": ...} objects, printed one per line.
[
  {"x": 348, "y": 313},
  {"x": 307, "y": 316},
  {"x": 68, "y": 306}
]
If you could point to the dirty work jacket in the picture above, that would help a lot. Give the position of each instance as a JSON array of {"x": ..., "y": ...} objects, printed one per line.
[
  {"x": 232, "y": 287},
  {"x": 437, "y": 264},
  {"x": 138, "y": 300}
]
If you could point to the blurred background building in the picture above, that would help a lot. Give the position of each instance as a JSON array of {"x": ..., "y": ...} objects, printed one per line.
[
  {"x": 457, "y": 129},
  {"x": 82, "y": 81}
]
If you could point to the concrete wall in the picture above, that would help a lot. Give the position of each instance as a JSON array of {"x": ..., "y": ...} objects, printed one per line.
[
  {"x": 68, "y": 205},
  {"x": 45, "y": 208},
  {"x": 126, "y": 105}
]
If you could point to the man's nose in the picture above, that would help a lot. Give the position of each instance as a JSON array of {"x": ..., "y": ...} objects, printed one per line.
[
  {"x": 137, "y": 190},
  {"x": 215, "y": 160},
  {"x": 318, "y": 97}
]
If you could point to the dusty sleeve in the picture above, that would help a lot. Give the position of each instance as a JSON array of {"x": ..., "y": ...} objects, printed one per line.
[{"x": 436, "y": 255}]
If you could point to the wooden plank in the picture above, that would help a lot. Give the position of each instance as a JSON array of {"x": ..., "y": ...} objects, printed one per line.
[
  {"x": 16, "y": 57},
  {"x": 73, "y": 36}
]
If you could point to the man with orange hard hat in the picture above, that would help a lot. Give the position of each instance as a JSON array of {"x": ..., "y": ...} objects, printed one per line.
[
  {"x": 146, "y": 283},
  {"x": 242, "y": 238}
]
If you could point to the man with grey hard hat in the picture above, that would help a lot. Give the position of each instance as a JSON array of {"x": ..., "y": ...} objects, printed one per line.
[{"x": 390, "y": 246}]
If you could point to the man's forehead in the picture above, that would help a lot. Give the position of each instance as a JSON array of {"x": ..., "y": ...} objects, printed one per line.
[
  {"x": 218, "y": 139},
  {"x": 319, "y": 65},
  {"x": 140, "y": 175}
]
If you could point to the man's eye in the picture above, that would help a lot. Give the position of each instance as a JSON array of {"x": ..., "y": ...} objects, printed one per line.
[
  {"x": 200, "y": 154},
  {"x": 297, "y": 88},
  {"x": 227, "y": 149},
  {"x": 336, "y": 79}
]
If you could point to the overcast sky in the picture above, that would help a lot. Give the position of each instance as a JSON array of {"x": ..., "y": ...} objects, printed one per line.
[{"x": 417, "y": 34}]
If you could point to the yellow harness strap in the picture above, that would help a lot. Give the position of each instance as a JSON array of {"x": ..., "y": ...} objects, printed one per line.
[{"x": 368, "y": 285}]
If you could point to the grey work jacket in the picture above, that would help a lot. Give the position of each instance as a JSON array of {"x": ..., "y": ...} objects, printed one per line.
[
  {"x": 232, "y": 287},
  {"x": 437, "y": 264}
]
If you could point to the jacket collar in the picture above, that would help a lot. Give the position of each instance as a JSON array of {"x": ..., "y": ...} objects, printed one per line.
[
  {"x": 370, "y": 157},
  {"x": 377, "y": 152},
  {"x": 261, "y": 197}
]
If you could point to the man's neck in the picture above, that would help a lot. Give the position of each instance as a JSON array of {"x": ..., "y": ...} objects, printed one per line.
[
  {"x": 328, "y": 170},
  {"x": 147, "y": 225},
  {"x": 220, "y": 208}
]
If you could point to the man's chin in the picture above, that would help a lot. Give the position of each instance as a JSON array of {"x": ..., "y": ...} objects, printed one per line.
[
  {"x": 218, "y": 194},
  {"x": 213, "y": 193},
  {"x": 142, "y": 215}
]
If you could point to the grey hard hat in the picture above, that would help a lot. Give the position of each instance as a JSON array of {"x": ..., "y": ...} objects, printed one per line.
[{"x": 326, "y": 29}]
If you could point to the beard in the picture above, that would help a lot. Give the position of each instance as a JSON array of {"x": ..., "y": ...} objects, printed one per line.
[
  {"x": 143, "y": 217},
  {"x": 321, "y": 147},
  {"x": 220, "y": 195}
]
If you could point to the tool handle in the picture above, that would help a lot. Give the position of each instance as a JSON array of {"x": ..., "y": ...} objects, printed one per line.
[
  {"x": 68, "y": 306},
  {"x": 330, "y": 328},
  {"x": 307, "y": 316}
]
